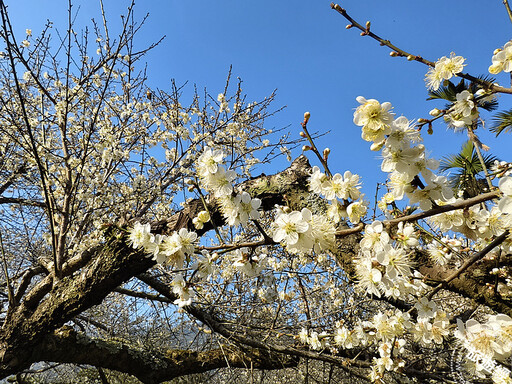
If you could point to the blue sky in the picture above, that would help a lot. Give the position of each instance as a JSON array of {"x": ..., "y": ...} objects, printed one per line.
[{"x": 303, "y": 49}]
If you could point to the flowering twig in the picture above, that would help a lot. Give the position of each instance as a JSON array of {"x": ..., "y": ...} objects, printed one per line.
[
  {"x": 383, "y": 42},
  {"x": 444, "y": 208},
  {"x": 312, "y": 147},
  {"x": 231, "y": 247},
  {"x": 477, "y": 256},
  {"x": 397, "y": 52}
]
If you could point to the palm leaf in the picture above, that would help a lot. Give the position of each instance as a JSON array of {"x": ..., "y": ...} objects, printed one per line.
[
  {"x": 502, "y": 122},
  {"x": 466, "y": 167}
]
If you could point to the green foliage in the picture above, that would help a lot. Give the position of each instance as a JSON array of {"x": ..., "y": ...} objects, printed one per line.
[
  {"x": 502, "y": 122},
  {"x": 467, "y": 167}
]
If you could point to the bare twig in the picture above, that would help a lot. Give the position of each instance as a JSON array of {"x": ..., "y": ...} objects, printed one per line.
[{"x": 507, "y": 6}]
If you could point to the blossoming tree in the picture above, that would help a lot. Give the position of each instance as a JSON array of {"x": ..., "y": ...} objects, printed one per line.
[{"x": 135, "y": 238}]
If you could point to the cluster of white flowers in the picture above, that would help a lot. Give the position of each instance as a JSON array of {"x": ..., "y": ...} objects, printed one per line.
[
  {"x": 501, "y": 168},
  {"x": 346, "y": 187},
  {"x": 249, "y": 262},
  {"x": 237, "y": 209},
  {"x": 502, "y": 59},
  {"x": 491, "y": 341},
  {"x": 304, "y": 231},
  {"x": 171, "y": 249},
  {"x": 214, "y": 177},
  {"x": 385, "y": 332},
  {"x": 405, "y": 161},
  {"x": 383, "y": 265},
  {"x": 183, "y": 290},
  {"x": 463, "y": 112},
  {"x": 444, "y": 69}
]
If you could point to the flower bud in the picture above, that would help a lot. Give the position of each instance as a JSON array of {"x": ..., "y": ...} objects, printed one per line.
[
  {"x": 393, "y": 53},
  {"x": 306, "y": 148},
  {"x": 368, "y": 25},
  {"x": 307, "y": 115},
  {"x": 326, "y": 153},
  {"x": 411, "y": 57},
  {"x": 348, "y": 26},
  {"x": 434, "y": 112}
]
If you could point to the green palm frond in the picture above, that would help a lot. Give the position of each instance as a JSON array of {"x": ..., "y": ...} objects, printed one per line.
[
  {"x": 502, "y": 122},
  {"x": 448, "y": 91},
  {"x": 466, "y": 168}
]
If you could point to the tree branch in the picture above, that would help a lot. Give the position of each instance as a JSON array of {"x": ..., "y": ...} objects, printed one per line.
[{"x": 150, "y": 366}]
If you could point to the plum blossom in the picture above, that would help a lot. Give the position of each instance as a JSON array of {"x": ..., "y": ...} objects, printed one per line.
[
  {"x": 444, "y": 69},
  {"x": 402, "y": 133},
  {"x": 316, "y": 180},
  {"x": 502, "y": 59},
  {"x": 289, "y": 226},
  {"x": 139, "y": 235},
  {"x": 183, "y": 290},
  {"x": 375, "y": 238},
  {"x": 342, "y": 187},
  {"x": 375, "y": 118},
  {"x": 248, "y": 263},
  {"x": 369, "y": 278},
  {"x": 505, "y": 203},
  {"x": 356, "y": 210},
  {"x": 178, "y": 246},
  {"x": 201, "y": 218},
  {"x": 209, "y": 161}
]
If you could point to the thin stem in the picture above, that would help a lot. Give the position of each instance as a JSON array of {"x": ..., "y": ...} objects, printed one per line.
[
  {"x": 477, "y": 145},
  {"x": 314, "y": 148},
  {"x": 444, "y": 208},
  {"x": 507, "y": 7}
]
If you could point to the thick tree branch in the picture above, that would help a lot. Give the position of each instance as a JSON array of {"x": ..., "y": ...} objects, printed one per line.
[{"x": 150, "y": 366}]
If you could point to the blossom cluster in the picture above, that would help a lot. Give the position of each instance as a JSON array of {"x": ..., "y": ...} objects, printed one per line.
[
  {"x": 386, "y": 333},
  {"x": 304, "y": 231},
  {"x": 491, "y": 341},
  {"x": 403, "y": 159},
  {"x": 502, "y": 59},
  {"x": 346, "y": 187},
  {"x": 444, "y": 69},
  {"x": 172, "y": 250},
  {"x": 237, "y": 208}
]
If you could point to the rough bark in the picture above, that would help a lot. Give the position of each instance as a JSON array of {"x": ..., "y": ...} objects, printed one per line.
[{"x": 68, "y": 346}]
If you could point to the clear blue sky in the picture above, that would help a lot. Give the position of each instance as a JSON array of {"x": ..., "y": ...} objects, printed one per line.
[{"x": 303, "y": 49}]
